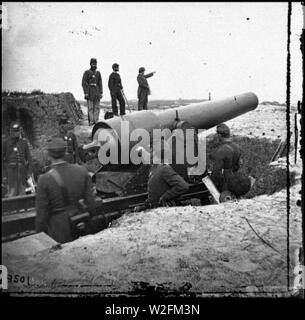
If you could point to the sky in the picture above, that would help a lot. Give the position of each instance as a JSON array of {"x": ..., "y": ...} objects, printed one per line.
[{"x": 195, "y": 48}]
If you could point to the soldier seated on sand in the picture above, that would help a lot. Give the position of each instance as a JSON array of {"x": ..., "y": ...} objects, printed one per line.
[{"x": 164, "y": 185}]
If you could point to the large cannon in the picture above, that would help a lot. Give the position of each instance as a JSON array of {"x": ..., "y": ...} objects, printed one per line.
[
  {"x": 124, "y": 178},
  {"x": 125, "y": 184}
]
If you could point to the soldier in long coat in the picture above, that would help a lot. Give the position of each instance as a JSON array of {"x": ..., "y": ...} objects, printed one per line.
[
  {"x": 143, "y": 89},
  {"x": 51, "y": 217},
  {"x": 17, "y": 161},
  {"x": 93, "y": 90},
  {"x": 115, "y": 87}
]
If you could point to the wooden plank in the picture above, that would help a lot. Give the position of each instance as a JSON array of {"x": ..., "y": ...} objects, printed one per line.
[
  {"x": 279, "y": 151},
  {"x": 212, "y": 189},
  {"x": 28, "y": 245}
]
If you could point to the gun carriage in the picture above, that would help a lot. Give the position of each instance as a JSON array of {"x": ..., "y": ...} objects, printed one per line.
[{"x": 122, "y": 186}]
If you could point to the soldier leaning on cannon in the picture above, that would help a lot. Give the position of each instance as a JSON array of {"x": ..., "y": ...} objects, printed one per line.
[
  {"x": 17, "y": 161},
  {"x": 115, "y": 87},
  {"x": 93, "y": 90}
]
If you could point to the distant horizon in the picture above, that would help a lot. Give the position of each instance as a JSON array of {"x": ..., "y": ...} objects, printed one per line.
[
  {"x": 135, "y": 100},
  {"x": 226, "y": 48}
]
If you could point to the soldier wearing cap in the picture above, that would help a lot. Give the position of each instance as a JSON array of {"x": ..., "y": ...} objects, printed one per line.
[
  {"x": 143, "y": 89},
  {"x": 72, "y": 154},
  {"x": 51, "y": 217},
  {"x": 17, "y": 161},
  {"x": 115, "y": 87},
  {"x": 93, "y": 90},
  {"x": 226, "y": 158},
  {"x": 164, "y": 184}
]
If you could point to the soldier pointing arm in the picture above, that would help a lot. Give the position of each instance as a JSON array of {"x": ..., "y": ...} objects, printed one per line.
[{"x": 143, "y": 89}]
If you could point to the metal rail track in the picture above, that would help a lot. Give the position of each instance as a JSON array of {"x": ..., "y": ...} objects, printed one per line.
[
  {"x": 18, "y": 213},
  {"x": 18, "y": 204}
]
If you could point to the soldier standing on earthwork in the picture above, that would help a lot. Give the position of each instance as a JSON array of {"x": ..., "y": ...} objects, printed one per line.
[
  {"x": 115, "y": 87},
  {"x": 93, "y": 90},
  {"x": 143, "y": 89}
]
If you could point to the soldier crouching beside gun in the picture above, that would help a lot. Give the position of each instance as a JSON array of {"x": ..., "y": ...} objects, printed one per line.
[
  {"x": 17, "y": 161},
  {"x": 59, "y": 191},
  {"x": 225, "y": 175},
  {"x": 164, "y": 185}
]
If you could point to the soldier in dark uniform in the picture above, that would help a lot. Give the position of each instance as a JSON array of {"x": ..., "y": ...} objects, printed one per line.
[
  {"x": 17, "y": 161},
  {"x": 93, "y": 90},
  {"x": 227, "y": 163},
  {"x": 115, "y": 87},
  {"x": 143, "y": 89},
  {"x": 164, "y": 185},
  {"x": 72, "y": 153},
  {"x": 51, "y": 217}
]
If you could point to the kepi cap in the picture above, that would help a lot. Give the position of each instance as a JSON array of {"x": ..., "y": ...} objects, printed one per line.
[
  {"x": 223, "y": 130},
  {"x": 56, "y": 147},
  {"x": 56, "y": 143}
]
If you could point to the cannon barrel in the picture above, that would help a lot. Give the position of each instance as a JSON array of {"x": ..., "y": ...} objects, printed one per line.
[{"x": 203, "y": 115}]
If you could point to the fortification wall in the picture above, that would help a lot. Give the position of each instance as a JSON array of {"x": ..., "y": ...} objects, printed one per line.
[{"x": 39, "y": 115}]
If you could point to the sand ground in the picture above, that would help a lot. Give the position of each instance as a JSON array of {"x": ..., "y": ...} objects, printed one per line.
[{"x": 203, "y": 250}]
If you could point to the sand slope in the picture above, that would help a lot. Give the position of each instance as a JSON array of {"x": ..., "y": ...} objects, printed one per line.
[
  {"x": 208, "y": 249},
  {"x": 201, "y": 250}
]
